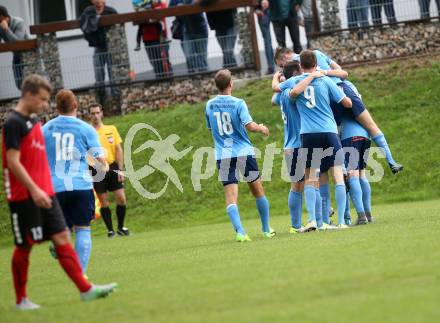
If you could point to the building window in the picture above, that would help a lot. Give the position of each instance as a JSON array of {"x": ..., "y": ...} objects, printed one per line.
[
  {"x": 57, "y": 10},
  {"x": 49, "y": 11}
]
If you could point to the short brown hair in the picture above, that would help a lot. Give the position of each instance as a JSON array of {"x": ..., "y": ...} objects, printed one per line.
[
  {"x": 280, "y": 52},
  {"x": 65, "y": 100},
  {"x": 223, "y": 79},
  {"x": 33, "y": 84},
  {"x": 95, "y": 105},
  {"x": 308, "y": 59},
  {"x": 291, "y": 68}
]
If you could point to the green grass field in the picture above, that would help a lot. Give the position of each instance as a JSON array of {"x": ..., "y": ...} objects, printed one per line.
[{"x": 384, "y": 272}]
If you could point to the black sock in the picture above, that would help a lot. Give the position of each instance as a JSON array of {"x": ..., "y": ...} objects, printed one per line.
[
  {"x": 120, "y": 212},
  {"x": 107, "y": 217}
]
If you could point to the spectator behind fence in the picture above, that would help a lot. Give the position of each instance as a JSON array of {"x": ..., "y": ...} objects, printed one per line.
[
  {"x": 262, "y": 12},
  {"x": 376, "y": 11},
  {"x": 195, "y": 38},
  {"x": 223, "y": 22},
  {"x": 13, "y": 29},
  {"x": 154, "y": 35},
  {"x": 357, "y": 13},
  {"x": 424, "y": 8},
  {"x": 96, "y": 37},
  {"x": 307, "y": 18},
  {"x": 284, "y": 14}
]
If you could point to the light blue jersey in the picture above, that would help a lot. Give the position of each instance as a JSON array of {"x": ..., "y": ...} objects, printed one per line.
[
  {"x": 69, "y": 140},
  {"x": 314, "y": 104},
  {"x": 352, "y": 128},
  {"x": 324, "y": 63},
  {"x": 227, "y": 117},
  {"x": 291, "y": 120}
]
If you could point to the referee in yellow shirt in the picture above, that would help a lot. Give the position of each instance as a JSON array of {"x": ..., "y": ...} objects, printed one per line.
[{"x": 113, "y": 182}]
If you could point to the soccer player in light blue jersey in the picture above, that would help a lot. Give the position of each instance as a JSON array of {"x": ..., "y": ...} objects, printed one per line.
[
  {"x": 228, "y": 119},
  {"x": 356, "y": 143},
  {"x": 292, "y": 144},
  {"x": 69, "y": 141},
  {"x": 314, "y": 93},
  {"x": 359, "y": 111}
]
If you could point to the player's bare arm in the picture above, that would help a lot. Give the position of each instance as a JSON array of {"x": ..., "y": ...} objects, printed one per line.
[
  {"x": 338, "y": 73},
  {"x": 276, "y": 81},
  {"x": 40, "y": 197},
  {"x": 301, "y": 86},
  {"x": 254, "y": 127},
  {"x": 346, "y": 102}
]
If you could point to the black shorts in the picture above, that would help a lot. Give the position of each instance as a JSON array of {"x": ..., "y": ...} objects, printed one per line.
[
  {"x": 353, "y": 160},
  {"x": 78, "y": 207},
  {"x": 110, "y": 183},
  {"x": 295, "y": 164},
  {"x": 318, "y": 145},
  {"x": 357, "y": 104},
  {"x": 31, "y": 224},
  {"x": 230, "y": 168}
]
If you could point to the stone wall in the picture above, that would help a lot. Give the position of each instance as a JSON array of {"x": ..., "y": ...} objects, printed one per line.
[
  {"x": 388, "y": 41},
  {"x": 146, "y": 96}
]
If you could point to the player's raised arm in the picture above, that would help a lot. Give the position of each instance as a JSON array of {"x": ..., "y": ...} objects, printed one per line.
[
  {"x": 276, "y": 80},
  {"x": 301, "y": 86},
  {"x": 342, "y": 74}
]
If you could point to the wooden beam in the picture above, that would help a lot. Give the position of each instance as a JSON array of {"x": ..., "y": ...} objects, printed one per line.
[
  {"x": 144, "y": 15},
  {"x": 254, "y": 40},
  {"x": 18, "y": 46}
]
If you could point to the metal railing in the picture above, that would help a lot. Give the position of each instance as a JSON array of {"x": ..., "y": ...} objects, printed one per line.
[{"x": 364, "y": 13}]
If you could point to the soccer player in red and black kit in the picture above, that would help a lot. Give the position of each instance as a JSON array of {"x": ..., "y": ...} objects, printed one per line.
[{"x": 35, "y": 213}]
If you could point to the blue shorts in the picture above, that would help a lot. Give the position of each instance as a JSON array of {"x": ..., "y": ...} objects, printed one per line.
[
  {"x": 230, "y": 168},
  {"x": 78, "y": 207},
  {"x": 295, "y": 166},
  {"x": 356, "y": 161},
  {"x": 358, "y": 106},
  {"x": 316, "y": 144}
]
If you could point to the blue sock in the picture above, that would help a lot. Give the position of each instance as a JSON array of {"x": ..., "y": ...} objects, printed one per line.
[
  {"x": 347, "y": 215},
  {"x": 234, "y": 216},
  {"x": 309, "y": 192},
  {"x": 366, "y": 193},
  {"x": 324, "y": 189},
  {"x": 382, "y": 143},
  {"x": 341, "y": 198},
  {"x": 295, "y": 207},
  {"x": 356, "y": 194},
  {"x": 263, "y": 209},
  {"x": 318, "y": 208},
  {"x": 83, "y": 247}
]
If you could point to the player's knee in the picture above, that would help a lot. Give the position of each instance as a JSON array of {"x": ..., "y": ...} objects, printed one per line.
[{"x": 61, "y": 238}]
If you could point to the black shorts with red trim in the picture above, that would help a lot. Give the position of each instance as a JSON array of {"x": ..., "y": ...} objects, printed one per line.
[{"x": 31, "y": 224}]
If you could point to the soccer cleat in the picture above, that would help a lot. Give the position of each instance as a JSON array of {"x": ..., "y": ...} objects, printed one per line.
[
  {"x": 325, "y": 227},
  {"x": 361, "y": 219},
  {"x": 27, "y": 305},
  {"x": 370, "y": 218},
  {"x": 269, "y": 234},
  {"x": 396, "y": 168},
  {"x": 52, "y": 251},
  {"x": 98, "y": 291},
  {"x": 111, "y": 234},
  {"x": 310, "y": 226},
  {"x": 295, "y": 230},
  {"x": 342, "y": 226},
  {"x": 123, "y": 232},
  {"x": 242, "y": 238},
  {"x": 347, "y": 221}
]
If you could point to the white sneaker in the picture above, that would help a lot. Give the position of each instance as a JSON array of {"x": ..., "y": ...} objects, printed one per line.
[
  {"x": 342, "y": 226},
  {"x": 325, "y": 227},
  {"x": 27, "y": 305},
  {"x": 310, "y": 226}
]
